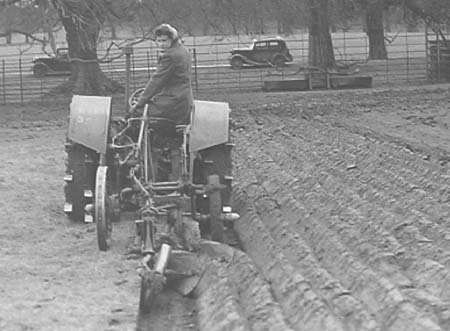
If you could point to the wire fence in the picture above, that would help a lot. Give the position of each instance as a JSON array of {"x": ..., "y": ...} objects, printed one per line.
[{"x": 410, "y": 61}]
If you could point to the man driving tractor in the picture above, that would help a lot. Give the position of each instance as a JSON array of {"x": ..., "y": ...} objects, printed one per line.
[{"x": 168, "y": 93}]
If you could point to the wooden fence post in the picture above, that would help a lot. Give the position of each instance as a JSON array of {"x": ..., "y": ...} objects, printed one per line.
[
  {"x": 41, "y": 91},
  {"x": 20, "y": 80},
  {"x": 4, "y": 81},
  {"x": 407, "y": 56},
  {"x": 148, "y": 65},
  {"x": 195, "y": 70},
  {"x": 128, "y": 51}
]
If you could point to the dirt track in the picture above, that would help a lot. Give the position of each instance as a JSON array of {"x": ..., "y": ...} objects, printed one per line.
[{"x": 344, "y": 198}]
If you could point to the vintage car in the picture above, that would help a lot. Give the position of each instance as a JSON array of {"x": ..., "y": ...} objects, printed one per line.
[
  {"x": 57, "y": 65},
  {"x": 272, "y": 51}
]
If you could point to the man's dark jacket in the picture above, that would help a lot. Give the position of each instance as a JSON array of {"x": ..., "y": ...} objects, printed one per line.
[{"x": 169, "y": 92}]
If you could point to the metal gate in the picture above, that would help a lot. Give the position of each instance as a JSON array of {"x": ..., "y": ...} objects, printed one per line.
[{"x": 437, "y": 39}]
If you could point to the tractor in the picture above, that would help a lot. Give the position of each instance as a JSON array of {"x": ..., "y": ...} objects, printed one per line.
[{"x": 176, "y": 179}]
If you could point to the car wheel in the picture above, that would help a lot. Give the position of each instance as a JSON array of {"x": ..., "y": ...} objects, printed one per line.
[
  {"x": 39, "y": 70},
  {"x": 279, "y": 62},
  {"x": 236, "y": 63}
]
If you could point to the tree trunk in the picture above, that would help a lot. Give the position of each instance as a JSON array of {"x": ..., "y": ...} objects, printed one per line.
[
  {"x": 375, "y": 31},
  {"x": 51, "y": 37},
  {"x": 113, "y": 31},
  {"x": 287, "y": 28},
  {"x": 321, "y": 52},
  {"x": 87, "y": 77},
  {"x": 279, "y": 16},
  {"x": 260, "y": 17}
]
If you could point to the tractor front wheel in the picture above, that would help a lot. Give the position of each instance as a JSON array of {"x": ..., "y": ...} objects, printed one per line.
[{"x": 105, "y": 211}]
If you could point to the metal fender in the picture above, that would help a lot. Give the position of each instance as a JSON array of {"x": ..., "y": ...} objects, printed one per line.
[
  {"x": 89, "y": 121},
  {"x": 247, "y": 60},
  {"x": 244, "y": 58},
  {"x": 209, "y": 124}
]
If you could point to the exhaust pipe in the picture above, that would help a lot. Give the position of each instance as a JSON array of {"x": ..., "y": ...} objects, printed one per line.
[{"x": 163, "y": 258}]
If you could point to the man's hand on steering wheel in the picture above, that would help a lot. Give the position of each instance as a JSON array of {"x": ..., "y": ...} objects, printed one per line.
[
  {"x": 133, "y": 101},
  {"x": 131, "y": 112}
]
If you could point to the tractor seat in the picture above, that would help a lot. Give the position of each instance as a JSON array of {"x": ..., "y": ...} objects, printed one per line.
[
  {"x": 160, "y": 121},
  {"x": 165, "y": 133},
  {"x": 162, "y": 126}
]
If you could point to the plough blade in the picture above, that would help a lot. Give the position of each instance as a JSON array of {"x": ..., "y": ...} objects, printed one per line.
[
  {"x": 216, "y": 250},
  {"x": 184, "y": 271},
  {"x": 152, "y": 284}
]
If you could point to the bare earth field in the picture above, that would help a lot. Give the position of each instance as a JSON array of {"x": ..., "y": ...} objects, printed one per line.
[{"x": 344, "y": 198}]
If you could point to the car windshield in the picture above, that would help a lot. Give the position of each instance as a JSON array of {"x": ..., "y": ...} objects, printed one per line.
[
  {"x": 272, "y": 44},
  {"x": 275, "y": 44},
  {"x": 63, "y": 52},
  {"x": 252, "y": 45}
]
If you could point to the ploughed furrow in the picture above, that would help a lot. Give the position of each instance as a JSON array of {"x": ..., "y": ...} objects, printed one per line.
[
  {"x": 262, "y": 311},
  {"x": 357, "y": 235},
  {"x": 415, "y": 188},
  {"x": 343, "y": 193},
  {"x": 425, "y": 260},
  {"x": 349, "y": 203},
  {"x": 391, "y": 309},
  {"x": 232, "y": 295},
  {"x": 404, "y": 195},
  {"x": 218, "y": 302},
  {"x": 401, "y": 183},
  {"x": 337, "y": 197},
  {"x": 370, "y": 183},
  {"x": 304, "y": 309},
  {"x": 332, "y": 308},
  {"x": 169, "y": 312}
]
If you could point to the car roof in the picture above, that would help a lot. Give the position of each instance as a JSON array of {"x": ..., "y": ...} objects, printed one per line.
[{"x": 271, "y": 39}]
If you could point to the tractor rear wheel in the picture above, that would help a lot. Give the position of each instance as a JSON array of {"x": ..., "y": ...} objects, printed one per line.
[
  {"x": 81, "y": 164},
  {"x": 215, "y": 162},
  {"x": 215, "y": 210}
]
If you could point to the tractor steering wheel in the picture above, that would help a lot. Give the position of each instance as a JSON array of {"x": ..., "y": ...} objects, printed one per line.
[{"x": 134, "y": 97}]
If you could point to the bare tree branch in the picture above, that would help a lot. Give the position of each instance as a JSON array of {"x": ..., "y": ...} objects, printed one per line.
[
  {"x": 6, "y": 3},
  {"x": 29, "y": 35}
]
